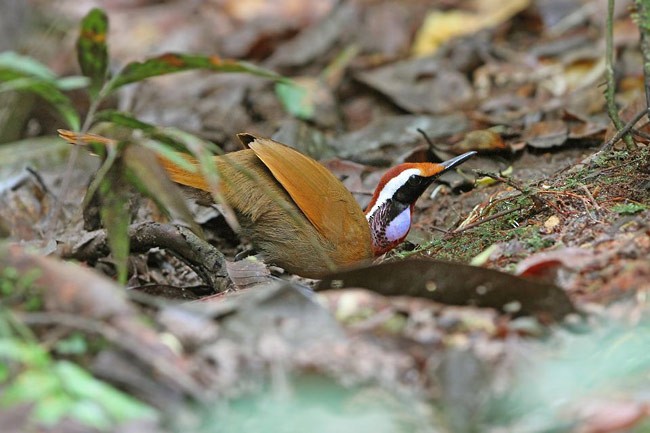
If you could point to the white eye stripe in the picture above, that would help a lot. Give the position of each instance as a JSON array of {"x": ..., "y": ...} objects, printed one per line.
[{"x": 391, "y": 187}]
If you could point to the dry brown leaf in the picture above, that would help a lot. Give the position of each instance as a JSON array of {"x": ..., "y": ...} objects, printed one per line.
[{"x": 439, "y": 27}]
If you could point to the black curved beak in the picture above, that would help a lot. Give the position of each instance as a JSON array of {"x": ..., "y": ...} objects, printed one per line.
[{"x": 456, "y": 161}]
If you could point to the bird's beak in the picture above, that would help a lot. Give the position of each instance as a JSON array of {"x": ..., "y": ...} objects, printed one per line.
[{"x": 453, "y": 162}]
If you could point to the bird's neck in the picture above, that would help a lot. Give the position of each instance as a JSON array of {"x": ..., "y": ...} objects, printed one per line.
[{"x": 389, "y": 223}]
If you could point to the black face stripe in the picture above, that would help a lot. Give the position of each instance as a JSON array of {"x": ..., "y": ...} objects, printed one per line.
[{"x": 412, "y": 189}]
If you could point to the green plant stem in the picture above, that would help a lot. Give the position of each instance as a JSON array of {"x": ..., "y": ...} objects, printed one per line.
[
  {"x": 72, "y": 161},
  {"x": 643, "y": 22},
  {"x": 612, "y": 110}
]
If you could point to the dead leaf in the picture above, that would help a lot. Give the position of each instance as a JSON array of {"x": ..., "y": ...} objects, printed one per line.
[
  {"x": 367, "y": 145},
  {"x": 545, "y": 264},
  {"x": 439, "y": 27},
  {"x": 424, "y": 85},
  {"x": 457, "y": 284},
  {"x": 481, "y": 140},
  {"x": 548, "y": 133},
  {"x": 248, "y": 272},
  {"x": 313, "y": 43}
]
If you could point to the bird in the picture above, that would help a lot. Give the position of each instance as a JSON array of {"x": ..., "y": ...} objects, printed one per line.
[{"x": 297, "y": 214}]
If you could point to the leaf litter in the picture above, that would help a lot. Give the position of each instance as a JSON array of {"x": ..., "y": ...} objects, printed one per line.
[{"x": 459, "y": 367}]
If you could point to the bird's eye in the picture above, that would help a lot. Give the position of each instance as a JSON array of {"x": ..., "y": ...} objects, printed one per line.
[{"x": 414, "y": 180}]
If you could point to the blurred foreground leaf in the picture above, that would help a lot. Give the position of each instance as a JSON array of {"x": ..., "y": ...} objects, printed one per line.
[
  {"x": 175, "y": 62},
  {"x": 297, "y": 99},
  {"x": 21, "y": 73},
  {"x": 92, "y": 51}
]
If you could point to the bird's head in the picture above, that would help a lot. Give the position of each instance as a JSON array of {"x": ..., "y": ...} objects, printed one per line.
[{"x": 389, "y": 211}]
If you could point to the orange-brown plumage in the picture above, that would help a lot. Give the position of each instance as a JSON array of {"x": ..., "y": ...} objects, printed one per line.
[{"x": 297, "y": 214}]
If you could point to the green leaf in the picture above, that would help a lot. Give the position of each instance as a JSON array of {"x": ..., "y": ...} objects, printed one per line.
[
  {"x": 151, "y": 179},
  {"x": 85, "y": 387},
  {"x": 92, "y": 51},
  {"x": 115, "y": 217},
  {"x": 123, "y": 119},
  {"x": 296, "y": 99},
  {"x": 75, "y": 344},
  {"x": 173, "y": 62},
  {"x": 30, "y": 354},
  {"x": 126, "y": 120},
  {"x": 163, "y": 149},
  {"x": 72, "y": 83},
  {"x": 30, "y": 385},
  {"x": 46, "y": 90},
  {"x": 25, "y": 66},
  {"x": 629, "y": 208},
  {"x": 111, "y": 157}
]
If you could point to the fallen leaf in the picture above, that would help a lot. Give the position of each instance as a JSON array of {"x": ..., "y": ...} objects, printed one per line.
[
  {"x": 367, "y": 145},
  {"x": 424, "y": 85},
  {"x": 457, "y": 284},
  {"x": 482, "y": 140},
  {"x": 543, "y": 263},
  {"x": 248, "y": 272},
  {"x": 439, "y": 27},
  {"x": 548, "y": 133}
]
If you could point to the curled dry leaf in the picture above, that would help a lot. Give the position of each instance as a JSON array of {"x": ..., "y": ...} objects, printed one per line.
[{"x": 541, "y": 263}]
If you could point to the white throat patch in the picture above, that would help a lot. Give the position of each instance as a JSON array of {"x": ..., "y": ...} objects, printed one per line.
[{"x": 391, "y": 187}]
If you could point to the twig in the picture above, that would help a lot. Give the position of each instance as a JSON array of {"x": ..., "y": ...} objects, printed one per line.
[
  {"x": 623, "y": 130},
  {"x": 505, "y": 180},
  {"x": 610, "y": 81},
  {"x": 432, "y": 146},
  {"x": 525, "y": 191},
  {"x": 591, "y": 197},
  {"x": 484, "y": 220}
]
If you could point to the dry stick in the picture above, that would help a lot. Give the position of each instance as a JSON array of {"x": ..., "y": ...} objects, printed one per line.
[
  {"x": 490, "y": 218},
  {"x": 591, "y": 197},
  {"x": 624, "y": 130},
  {"x": 609, "y": 76},
  {"x": 509, "y": 182},
  {"x": 206, "y": 260},
  {"x": 537, "y": 200}
]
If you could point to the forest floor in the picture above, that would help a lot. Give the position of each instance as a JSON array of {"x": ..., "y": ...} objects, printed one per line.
[{"x": 542, "y": 201}]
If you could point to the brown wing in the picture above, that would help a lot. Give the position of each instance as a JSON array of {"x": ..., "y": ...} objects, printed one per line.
[{"x": 328, "y": 205}]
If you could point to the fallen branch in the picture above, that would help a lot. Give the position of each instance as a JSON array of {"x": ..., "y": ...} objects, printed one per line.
[{"x": 204, "y": 259}]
